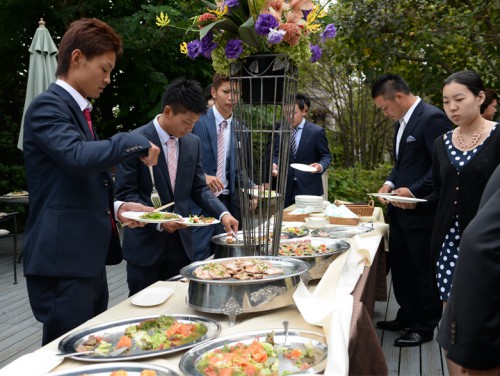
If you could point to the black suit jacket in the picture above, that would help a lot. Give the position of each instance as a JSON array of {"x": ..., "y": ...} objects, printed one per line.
[
  {"x": 470, "y": 328},
  {"x": 68, "y": 231},
  {"x": 144, "y": 246},
  {"x": 413, "y": 166}
]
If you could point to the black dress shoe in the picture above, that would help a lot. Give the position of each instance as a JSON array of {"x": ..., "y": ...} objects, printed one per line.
[
  {"x": 393, "y": 325},
  {"x": 410, "y": 339}
]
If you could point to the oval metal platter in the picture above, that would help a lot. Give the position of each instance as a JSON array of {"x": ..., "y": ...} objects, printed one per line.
[
  {"x": 132, "y": 369},
  {"x": 340, "y": 232},
  {"x": 291, "y": 267},
  {"x": 295, "y": 337},
  {"x": 333, "y": 246},
  {"x": 114, "y": 330}
]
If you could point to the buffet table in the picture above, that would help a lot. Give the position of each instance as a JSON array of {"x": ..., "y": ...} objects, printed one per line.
[{"x": 362, "y": 353}]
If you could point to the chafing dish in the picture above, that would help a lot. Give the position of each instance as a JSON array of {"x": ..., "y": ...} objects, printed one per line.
[
  {"x": 320, "y": 262},
  {"x": 232, "y": 297}
]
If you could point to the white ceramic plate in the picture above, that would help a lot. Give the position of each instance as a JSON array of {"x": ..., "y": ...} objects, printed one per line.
[
  {"x": 383, "y": 195},
  {"x": 185, "y": 221},
  {"x": 136, "y": 216},
  {"x": 404, "y": 199},
  {"x": 152, "y": 296},
  {"x": 303, "y": 167}
]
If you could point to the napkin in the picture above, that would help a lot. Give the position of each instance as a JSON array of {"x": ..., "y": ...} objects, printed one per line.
[
  {"x": 32, "y": 364},
  {"x": 341, "y": 211},
  {"x": 305, "y": 210},
  {"x": 330, "y": 305}
]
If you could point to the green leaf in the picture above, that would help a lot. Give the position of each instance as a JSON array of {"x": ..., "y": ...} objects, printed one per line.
[
  {"x": 224, "y": 24},
  {"x": 248, "y": 34}
]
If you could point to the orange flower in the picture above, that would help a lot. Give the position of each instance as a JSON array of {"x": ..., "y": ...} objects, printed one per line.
[
  {"x": 292, "y": 35},
  {"x": 206, "y": 17}
]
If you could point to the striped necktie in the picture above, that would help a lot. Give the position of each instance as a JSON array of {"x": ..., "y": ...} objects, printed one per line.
[
  {"x": 293, "y": 143},
  {"x": 86, "y": 113},
  {"x": 172, "y": 160},
  {"x": 220, "y": 148}
]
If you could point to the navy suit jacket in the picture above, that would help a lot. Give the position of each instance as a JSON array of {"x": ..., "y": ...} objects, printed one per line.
[
  {"x": 144, "y": 246},
  {"x": 313, "y": 148},
  {"x": 413, "y": 166},
  {"x": 206, "y": 129},
  {"x": 68, "y": 231}
]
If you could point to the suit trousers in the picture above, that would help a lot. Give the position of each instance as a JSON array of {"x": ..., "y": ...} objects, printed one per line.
[
  {"x": 169, "y": 265},
  {"x": 413, "y": 277},
  {"x": 62, "y": 304}
]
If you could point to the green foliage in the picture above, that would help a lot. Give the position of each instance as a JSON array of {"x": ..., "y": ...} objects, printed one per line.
[{"x": 352, "y": 184}]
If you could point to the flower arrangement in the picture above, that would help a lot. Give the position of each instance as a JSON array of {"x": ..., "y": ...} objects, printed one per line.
[{"x": 235, "y": 29}]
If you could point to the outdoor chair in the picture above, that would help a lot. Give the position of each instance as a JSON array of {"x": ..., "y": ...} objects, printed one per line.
[{"x": 5, "y": 217}]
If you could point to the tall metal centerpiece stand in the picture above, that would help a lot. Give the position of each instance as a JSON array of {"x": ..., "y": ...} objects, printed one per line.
[{"x": 263, "y": 91}]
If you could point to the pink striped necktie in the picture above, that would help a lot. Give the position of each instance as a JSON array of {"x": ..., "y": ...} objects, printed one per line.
[
  {"x": 86, "y": 113},
  {"x": 172, "y": 160},
  {"x": 220, "y": 148}
]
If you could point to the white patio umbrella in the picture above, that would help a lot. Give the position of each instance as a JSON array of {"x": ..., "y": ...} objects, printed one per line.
[{"x": 42, "y": 69}]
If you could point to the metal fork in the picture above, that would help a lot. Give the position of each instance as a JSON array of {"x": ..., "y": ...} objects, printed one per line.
[
  {"x": 285, "y": 364},
  {"x": 92, "y": 352},
  {"x": 155, "y": 197}
]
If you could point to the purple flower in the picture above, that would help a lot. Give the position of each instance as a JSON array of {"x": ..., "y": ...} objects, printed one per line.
[
  {"x": 275, "y": 36},
  {"x": 315, "y": 52},
  {"x": 208, "y": 45},
  {"x": 194, "y": 49},
  {"x": 234, "y": 48},
  {"x": 329, "y": 32},
  {"x": 264, "y": 23},
  {"x": 306, "y": 12},
  {"x": 232, "y": 3}
]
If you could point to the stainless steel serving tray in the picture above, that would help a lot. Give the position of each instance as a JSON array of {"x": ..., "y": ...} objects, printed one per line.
[
  {"x": 132, "y": 369},
  {"x": 321, "y": 261},
  {"x": 115, "y": 330},
  {"x": 340, "y": 232},
  {"x": 295, "y": 336},
  {"x": 233, "y": 297}
]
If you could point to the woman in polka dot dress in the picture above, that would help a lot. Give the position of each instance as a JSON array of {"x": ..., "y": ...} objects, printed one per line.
[{"x": 463, "y": 161}]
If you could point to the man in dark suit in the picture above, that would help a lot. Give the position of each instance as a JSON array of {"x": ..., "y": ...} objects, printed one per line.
[
  {"x": 417, "y": 126},
  {"x": 470, "y": 327},
  {"x": 71, "y": 231},
  {"x": 310, "y": 147},
  {"x": 157, "y": 252},
  {"x": 215, "y": 129}
]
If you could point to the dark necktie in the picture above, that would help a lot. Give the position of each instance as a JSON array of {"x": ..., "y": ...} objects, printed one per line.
[
  {"x": 86, "y": 113},
  {"x": 293, "y": 143}
]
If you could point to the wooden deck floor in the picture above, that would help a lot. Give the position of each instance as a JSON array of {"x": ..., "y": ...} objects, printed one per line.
[{"x": 20, "y": 333}]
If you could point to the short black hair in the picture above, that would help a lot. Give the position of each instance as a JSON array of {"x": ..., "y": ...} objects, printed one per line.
[
  {"x": 184, "y": 95},
  {"x": 468, "y": 78},
  {"x": 301, "y": 100},
  {"x": 388, "y": 85}
]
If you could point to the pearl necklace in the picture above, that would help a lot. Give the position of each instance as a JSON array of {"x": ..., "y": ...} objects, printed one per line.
[{"x": 474, "y": 140}]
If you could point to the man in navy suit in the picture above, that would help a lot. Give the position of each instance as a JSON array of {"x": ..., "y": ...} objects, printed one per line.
[
  {"x": 219, "y": 163},
  {"x": 71, "y": 232},
  {"x": 158, "y": 252},
  {"x": 311, "y": 148},
  {"x": 417, "y": 126}
]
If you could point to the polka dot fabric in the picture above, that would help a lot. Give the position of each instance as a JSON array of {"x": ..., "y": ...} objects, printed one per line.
[{"x": 450, "y": 247}]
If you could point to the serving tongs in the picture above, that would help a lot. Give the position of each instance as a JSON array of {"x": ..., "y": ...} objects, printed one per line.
[
  {"x": 94, "y": 352},
  {"x": 235, "y": 236}
]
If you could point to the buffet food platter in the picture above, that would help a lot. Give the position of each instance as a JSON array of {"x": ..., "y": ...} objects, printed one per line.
[
  {"x": 193, "y": 362},
  {"x": 143, "y": 339}
]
